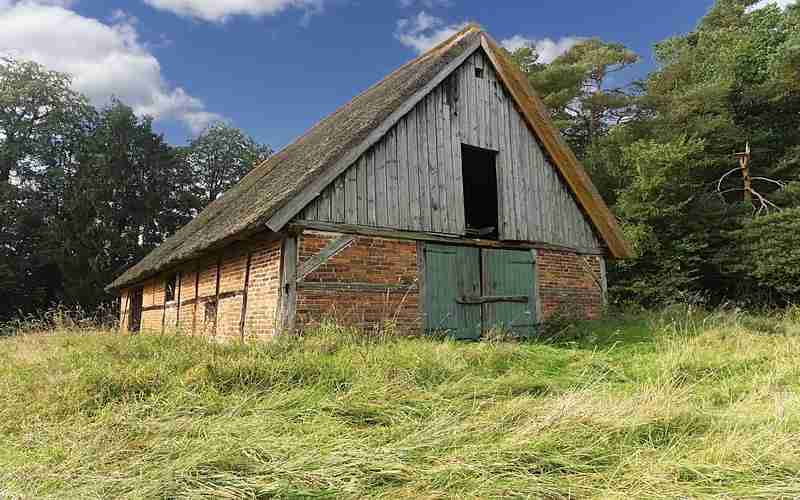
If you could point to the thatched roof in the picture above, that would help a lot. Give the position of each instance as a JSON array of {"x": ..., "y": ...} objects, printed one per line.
[{"x": 248, "y": 206}]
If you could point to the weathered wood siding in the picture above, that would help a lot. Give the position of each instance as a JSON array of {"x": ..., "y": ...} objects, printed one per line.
[{"x": 412, "y": 180}]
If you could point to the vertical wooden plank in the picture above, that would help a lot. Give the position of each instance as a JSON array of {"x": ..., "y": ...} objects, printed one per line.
[
  {"x": 381, "y": 203},
  {"x": 503, "y": 183},
  {"x": 288, "y": 284},
  {"x": 312, "y": 211},
  {"x": 513, "y": 132},
  {"x": 458, "y": 181},
  {"x": 442, "y": 156},
  {"x": 372, "y": 186},
  {"x": 392, "y": 185},
  {"x": 414, "y": 205},
  {"x": 539, "y": 187},
  {"x": 501, "y": 166},
  {"x": 462, "y": 103},
  {"x": 324, "y": 205},
  {"x": 477, "y": 85},
  {"x": 534, "y": 214},
  {"x": 351, "y": 194},
  {"x": 449, "y": 168},
  {"x": 469, "y": 98},
  {"x": 403, "y": 181},
  {"x": 484, "y": 83},
  {"x": 424, "y": 166},
  {"x": 362, "y": 190},
  {"x": 494, "y": 95},
  {"x": 549, "y": 201},
  {"x": 338, "y": 200},
  {"x": 433, "y": 163},
  {"x": 491, "y": 116},
  {"x": 521, "y": 181}
]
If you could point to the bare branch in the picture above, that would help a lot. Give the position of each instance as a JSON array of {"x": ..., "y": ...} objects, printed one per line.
[
  {"x": 780, "y": 184},
  {"x": 719, "y": 183}
]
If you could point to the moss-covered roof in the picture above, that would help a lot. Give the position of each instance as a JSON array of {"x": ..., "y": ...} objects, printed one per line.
[
  {"x": 268, "y": 188},
  {"x": 245, "y": 207}
]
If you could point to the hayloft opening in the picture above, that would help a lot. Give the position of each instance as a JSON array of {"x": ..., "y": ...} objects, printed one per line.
[
  {"x": 479, "y": 171},
  {"x": 478, "y": 72}
]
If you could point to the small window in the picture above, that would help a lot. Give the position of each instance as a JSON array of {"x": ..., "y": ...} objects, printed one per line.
[
  {"x": 478, "y": 72},
  {"x": 480, "y": 192},
  {"x": 169, "y": 288}
]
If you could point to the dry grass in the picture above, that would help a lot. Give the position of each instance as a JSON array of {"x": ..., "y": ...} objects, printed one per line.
[{"x": 680, "y": 404}]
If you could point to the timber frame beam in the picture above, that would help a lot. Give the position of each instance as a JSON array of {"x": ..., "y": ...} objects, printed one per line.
[{"x": 432, "y": 237}]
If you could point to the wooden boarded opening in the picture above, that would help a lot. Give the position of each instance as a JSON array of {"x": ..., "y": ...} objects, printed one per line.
[{"x": 480, "y": 192}]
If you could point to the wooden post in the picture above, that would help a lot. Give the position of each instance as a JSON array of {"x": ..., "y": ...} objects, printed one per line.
[
  {"x": 604, "y": 280},
  {"x": 164, "y": 308},
  {"x": 196, "y": 290},
  {"x": 288, "y": 284},
  {"x": 244, "y": 296},
  {"x": 178, "y": 311},
  {"x": 216, "y": 296}
]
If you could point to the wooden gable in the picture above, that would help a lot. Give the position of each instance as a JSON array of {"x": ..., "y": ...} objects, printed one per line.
[{"x": 411, "y": 179}]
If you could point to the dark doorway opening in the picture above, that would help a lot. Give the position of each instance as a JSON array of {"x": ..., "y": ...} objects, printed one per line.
[
  {"x": 137, "y": 299},
  {"x": 480, "y": 191}
]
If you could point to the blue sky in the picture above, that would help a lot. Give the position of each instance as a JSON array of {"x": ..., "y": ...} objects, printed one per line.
[{"x": 275, "y": 67}]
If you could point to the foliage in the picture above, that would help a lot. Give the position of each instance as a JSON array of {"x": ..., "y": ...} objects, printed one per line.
[
  {"x": 679, "y": 404},
  {"x": 574, "y": 87},
  {"x": 85, "y": 193},
  {"x": 764, "y": 252},
  {"x": 662, "y": 148},
  {"x": 219, "y": 157}
]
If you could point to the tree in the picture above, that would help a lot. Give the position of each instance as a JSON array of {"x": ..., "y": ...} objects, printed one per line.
[
  {"x": 40, "y": 117},
  {"x": 129, "y": 192},
  {"x": 575, "y": 88},
  {"x": 42, "y": 124},
  {"x": 658, "y": 149},
  {"x": 723, "y": 85},
  {"x": 219, "y": 157}
]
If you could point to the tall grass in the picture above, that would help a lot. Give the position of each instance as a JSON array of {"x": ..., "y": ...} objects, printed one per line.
[{"x": 676, "y": 404}]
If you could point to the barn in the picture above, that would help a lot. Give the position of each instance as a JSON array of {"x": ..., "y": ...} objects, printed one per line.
[{"x": 442, "y": 198}]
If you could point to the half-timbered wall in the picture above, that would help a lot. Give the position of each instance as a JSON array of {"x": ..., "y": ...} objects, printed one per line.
[{"x": 411, "y": 179}]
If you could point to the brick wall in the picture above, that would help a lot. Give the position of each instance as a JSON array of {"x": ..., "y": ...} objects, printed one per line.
[
  {"x": 571, "y": 283},
  {"x": 372, "y": 281},
  {"x": 199, "y": 312}
]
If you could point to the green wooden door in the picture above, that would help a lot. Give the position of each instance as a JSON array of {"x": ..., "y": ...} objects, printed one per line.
[
  {"x": 509, "y": 284},
  {"x": 452, "y": 273}
]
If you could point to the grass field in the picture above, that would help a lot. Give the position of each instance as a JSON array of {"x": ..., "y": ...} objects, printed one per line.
[{"x": 677, "y": 404}]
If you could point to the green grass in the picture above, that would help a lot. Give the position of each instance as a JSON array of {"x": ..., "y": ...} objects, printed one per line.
[{"x": 678, "y": 404}]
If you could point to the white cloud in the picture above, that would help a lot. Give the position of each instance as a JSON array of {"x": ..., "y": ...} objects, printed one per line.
[
  {"x": 763, "y": 3},
  {"x": 222, "y": 10},
  {"x": 104, "y": 60},
  {"x": 547, "y": 48},
  {"x": 428, "y": 4},
  {"x": 424, "y": 31}
]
